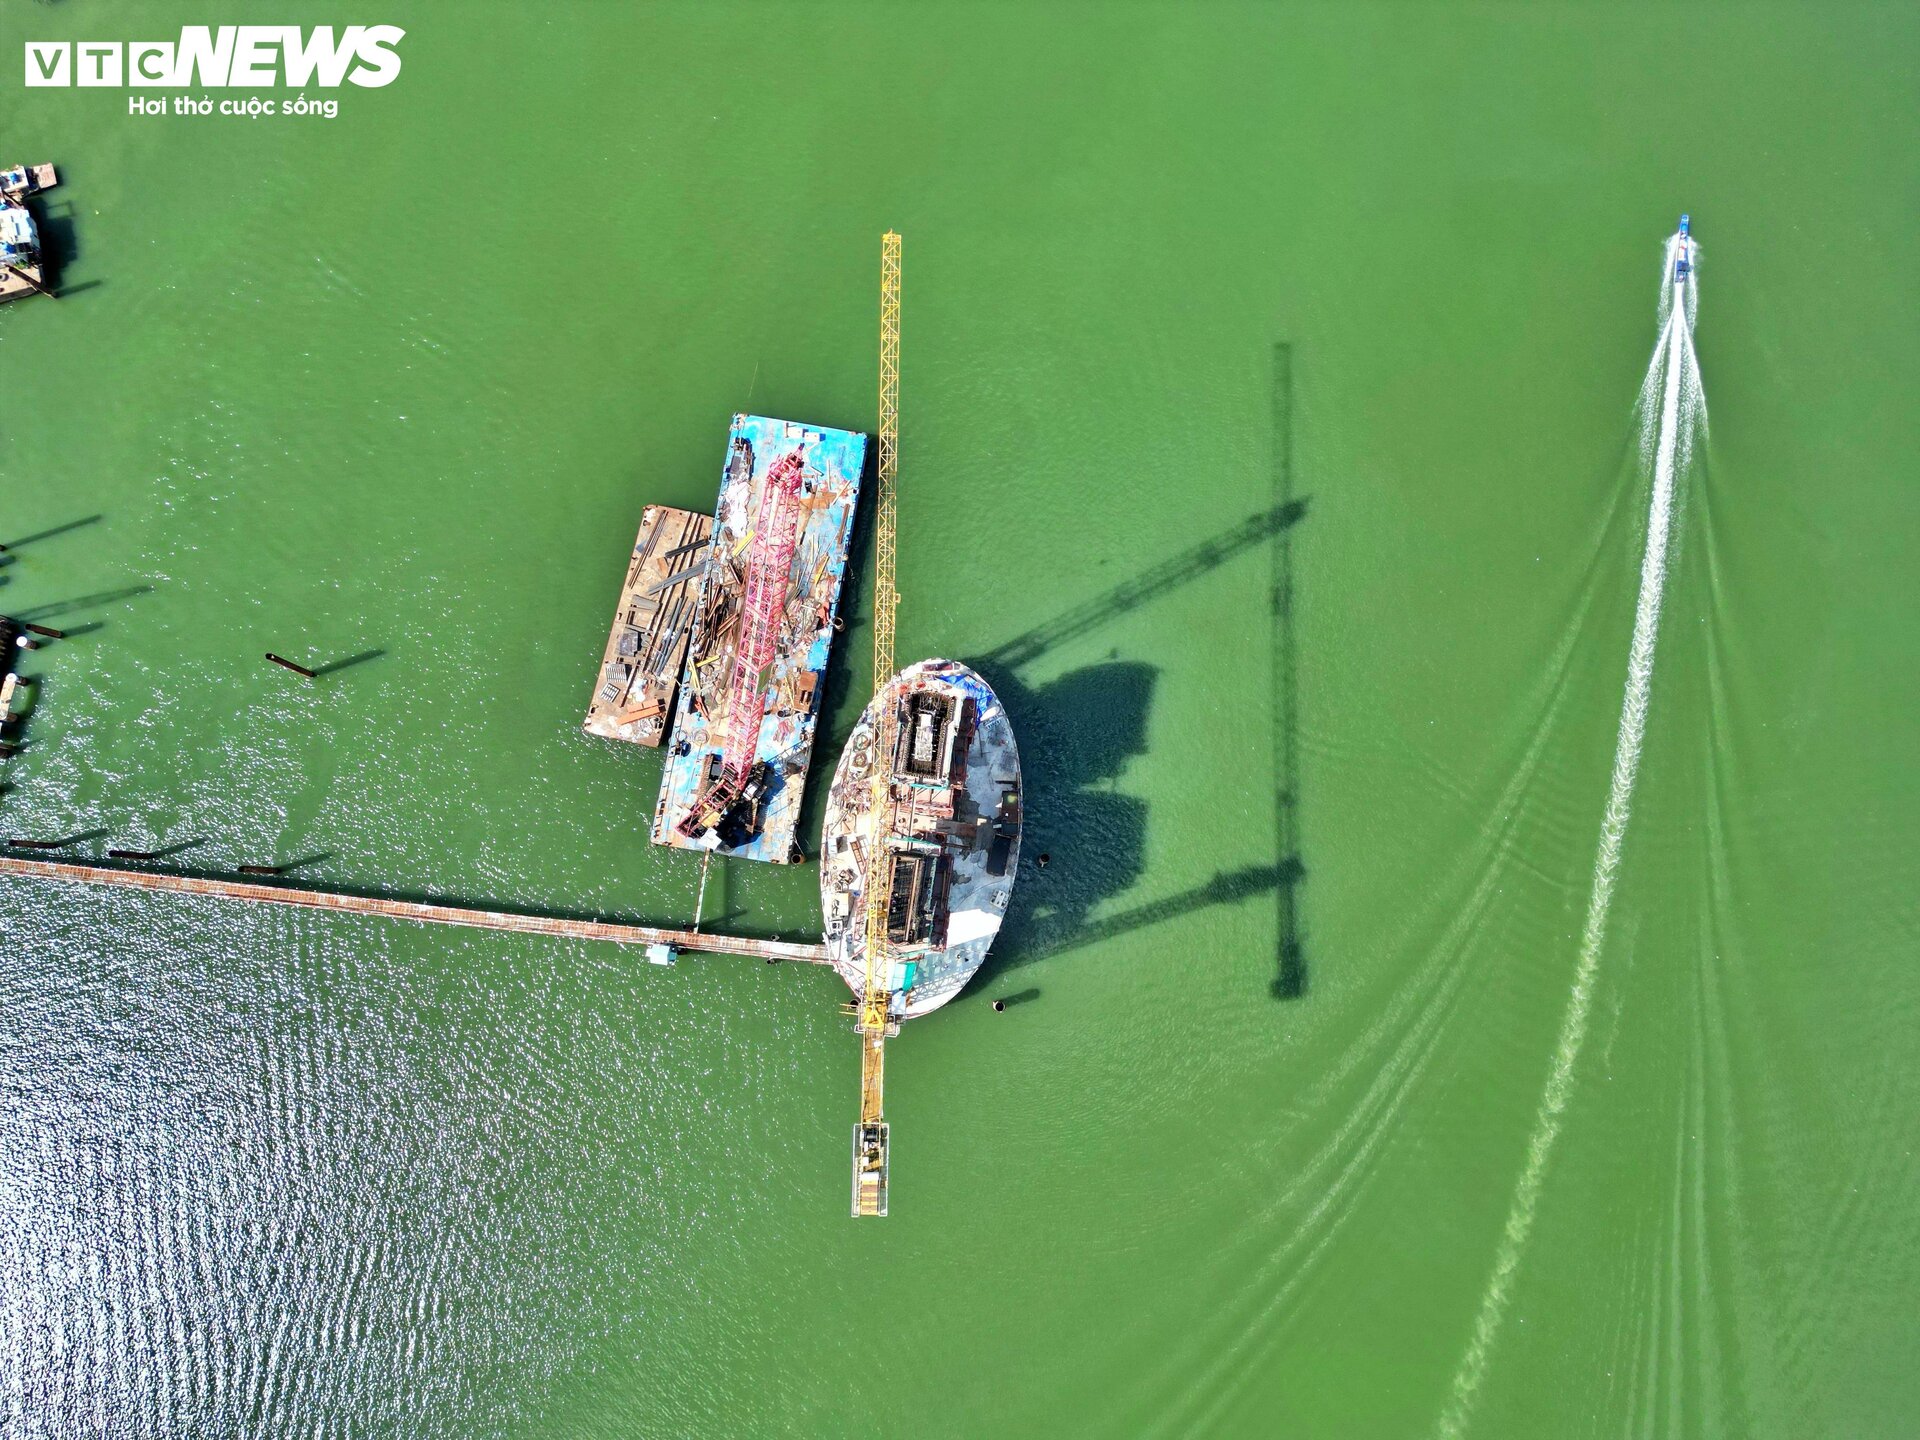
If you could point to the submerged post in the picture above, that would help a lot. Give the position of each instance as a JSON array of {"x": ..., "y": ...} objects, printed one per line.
[{"x": 286, "y": 664}]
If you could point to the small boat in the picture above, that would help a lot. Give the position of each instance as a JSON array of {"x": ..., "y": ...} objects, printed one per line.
[
  {"x": 953, "y": 842},
  {"x": 1683, "y": 255},
  {"x": 22, "y": 269}
]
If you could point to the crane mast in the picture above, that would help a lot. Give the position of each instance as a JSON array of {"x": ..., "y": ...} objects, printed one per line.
[{"x": 875, "y": 1020}]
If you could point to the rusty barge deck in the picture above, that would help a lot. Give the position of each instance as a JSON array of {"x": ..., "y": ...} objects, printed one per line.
[{"x": 633, "y": 692}]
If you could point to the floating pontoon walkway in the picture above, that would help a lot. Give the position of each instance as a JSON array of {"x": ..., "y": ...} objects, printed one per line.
[{"x": 422, "y": 911}]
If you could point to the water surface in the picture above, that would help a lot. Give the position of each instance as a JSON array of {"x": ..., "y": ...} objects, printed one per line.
[{"x": 1244, "y": 1159}]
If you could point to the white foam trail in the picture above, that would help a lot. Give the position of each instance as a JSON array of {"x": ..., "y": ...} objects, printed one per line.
[{"x": 1667, "y": 436}]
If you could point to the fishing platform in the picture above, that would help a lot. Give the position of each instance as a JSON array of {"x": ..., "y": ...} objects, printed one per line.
[
  {"x": 633, "y": 695},
  {"x": 22, "y": 266},
  {"x": 765, "y": 617}
]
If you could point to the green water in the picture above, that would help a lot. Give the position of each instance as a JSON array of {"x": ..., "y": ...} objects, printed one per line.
[{"x": 1243, "y": 1160}]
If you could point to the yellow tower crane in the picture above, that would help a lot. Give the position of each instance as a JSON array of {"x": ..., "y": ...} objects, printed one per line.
[{"x": 874, "y": 1007}]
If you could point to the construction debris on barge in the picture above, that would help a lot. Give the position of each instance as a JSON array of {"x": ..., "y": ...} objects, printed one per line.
[
  {"x": 633, "y": 694},
  {"x": 22, "y": 267},
  {"x": 764, "y": 621}
]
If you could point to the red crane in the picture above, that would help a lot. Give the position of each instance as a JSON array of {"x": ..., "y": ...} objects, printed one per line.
[{"x": 769, "y": 577}]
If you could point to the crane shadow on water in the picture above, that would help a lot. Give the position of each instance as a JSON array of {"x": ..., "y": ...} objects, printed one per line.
[
  {"x": 1078, "y": 732},
  {"x": 1076, "y": 735},
  {"x": 1290, "y": 871}
]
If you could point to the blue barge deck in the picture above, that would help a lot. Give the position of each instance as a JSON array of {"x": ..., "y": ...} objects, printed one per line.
[{"x": 804, "y": 617}]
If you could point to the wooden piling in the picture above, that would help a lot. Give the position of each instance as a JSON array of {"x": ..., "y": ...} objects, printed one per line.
[{"x": 286, "y": 664}]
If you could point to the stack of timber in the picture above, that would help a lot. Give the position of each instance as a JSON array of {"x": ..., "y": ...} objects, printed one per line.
[{"x": 659, "y": 602}]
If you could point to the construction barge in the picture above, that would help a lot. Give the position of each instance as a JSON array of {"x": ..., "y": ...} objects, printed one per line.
[
  {"x": 737, "y": 614},
  {"x": 633, "y": 694},
  {"x": 22, "y": 266},
  {"x": 765, "y": 615}
]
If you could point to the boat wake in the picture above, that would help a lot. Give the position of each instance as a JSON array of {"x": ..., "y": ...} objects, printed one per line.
[{"x": 1673, "y": 418}]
